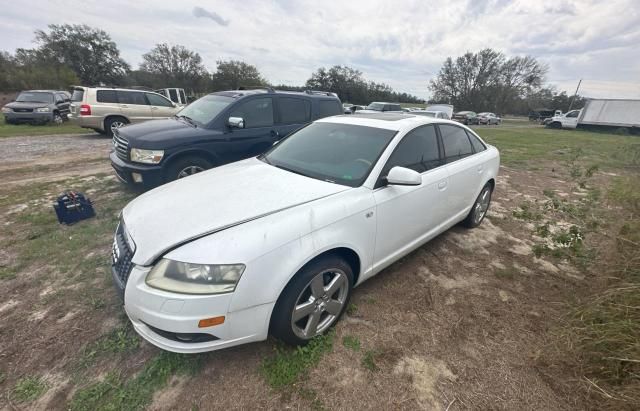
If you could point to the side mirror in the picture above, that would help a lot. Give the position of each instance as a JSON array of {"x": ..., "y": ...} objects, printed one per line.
[
  {"x": 401, "y": 176},
  {"x": 236, "y": 122}
]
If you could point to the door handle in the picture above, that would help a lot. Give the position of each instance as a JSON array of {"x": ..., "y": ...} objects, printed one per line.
[
  {"x": 442, "y": 185},
  {"x": 480, "y": 168},
  {"x": 124, "y": 106},
  {"x": 154, "y": 108},
  {"x": 274, "y": 133}
]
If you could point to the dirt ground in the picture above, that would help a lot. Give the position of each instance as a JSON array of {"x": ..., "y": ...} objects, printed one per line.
[{"x": 461, "y": 323}]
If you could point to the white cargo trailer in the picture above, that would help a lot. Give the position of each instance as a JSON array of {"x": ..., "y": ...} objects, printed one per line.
[{"x": 609, "y": 113}]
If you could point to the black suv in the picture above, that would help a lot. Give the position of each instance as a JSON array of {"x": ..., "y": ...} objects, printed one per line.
[{"x": 214, "y": 130}]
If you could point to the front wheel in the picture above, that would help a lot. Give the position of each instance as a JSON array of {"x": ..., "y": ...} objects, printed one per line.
[
  {"x": 186, "y": 167},
  {"x": 479, "y": 210},
  {"x": 313, "y": 301}
]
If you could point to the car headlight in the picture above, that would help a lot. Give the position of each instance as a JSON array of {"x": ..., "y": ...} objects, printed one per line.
[
  {"x": 188, "y": 278},
  {"x": 42, "y": 110},
  {"x": 6, "y": 109},
  {"x": 146, "y": 156}
]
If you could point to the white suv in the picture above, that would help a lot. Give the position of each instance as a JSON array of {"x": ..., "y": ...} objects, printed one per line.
[{"x": 104, "y": 109}]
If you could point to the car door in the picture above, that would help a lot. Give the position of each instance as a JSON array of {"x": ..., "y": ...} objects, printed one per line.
[
  {"x": 161, "y": 107},
  {"x": 293, "y": 113},
  {"x": 62, "y": 103},
  {"x": 465, "y": 166},
  {"x": 410, "y": 214},
  {"x": 259, "y": 132},
  {"x": 571, "y": 119},
  {"x": 134, "y": 106}
]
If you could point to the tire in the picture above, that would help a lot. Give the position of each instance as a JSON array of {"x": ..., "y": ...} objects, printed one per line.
[
  {"x": 317, "y": 308},
  {"x": 480, "y": 207},
  {"x": 56, "y": 119},
  {"x": 555, "y": 125},
  {"x": 112, "y": 123},
  {"x": 186, "y": 166}
]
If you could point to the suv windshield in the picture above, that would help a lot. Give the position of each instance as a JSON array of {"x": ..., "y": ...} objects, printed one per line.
[
  {"x": 205, "y": 109},
  {"x": 338, "y": 153},
  {"x": 375, "y": 106},
  {"x": 35, "y": 97}
]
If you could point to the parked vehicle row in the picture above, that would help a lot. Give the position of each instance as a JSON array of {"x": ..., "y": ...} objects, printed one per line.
[
  {"x": 473, "y": 118},
  {"x": 275, "y": 244},
  {"x": 38, "y": 107}
]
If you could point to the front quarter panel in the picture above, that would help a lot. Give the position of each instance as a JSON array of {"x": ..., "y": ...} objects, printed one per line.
[{"x": 275, "y": 247}]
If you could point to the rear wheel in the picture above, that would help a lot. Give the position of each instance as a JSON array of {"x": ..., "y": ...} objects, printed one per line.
[
  {"x": 479, "y": 210},
  {"x": 313, "y": 301},
  {"x": 187, "y": 166},
  {"x": 113, "y": 123}
]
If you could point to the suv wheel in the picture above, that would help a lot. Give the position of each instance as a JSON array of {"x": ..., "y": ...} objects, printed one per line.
[
  {"x": 313, "y": 301},
  {"x": 187, "y": 166},
  {"x": 112, "y": 123},
  {"x": 57, "y": 118}
]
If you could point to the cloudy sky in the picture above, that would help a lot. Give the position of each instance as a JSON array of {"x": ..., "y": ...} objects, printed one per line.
[{"x": 402, "y": 43}]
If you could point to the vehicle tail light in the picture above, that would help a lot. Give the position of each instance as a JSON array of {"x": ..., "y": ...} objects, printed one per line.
[{"x": 85, "y": 110}]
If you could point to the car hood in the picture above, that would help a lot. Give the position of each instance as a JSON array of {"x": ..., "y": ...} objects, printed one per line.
[
  {"x": 176, "y": 213},
  {"x": 165, "y": 133},
  {"x": 26, "y": 104}
]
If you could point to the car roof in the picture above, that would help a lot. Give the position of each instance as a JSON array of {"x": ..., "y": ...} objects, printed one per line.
[
  {"x": 388, "y": 121},
  {"x": 41, "y": 91}
]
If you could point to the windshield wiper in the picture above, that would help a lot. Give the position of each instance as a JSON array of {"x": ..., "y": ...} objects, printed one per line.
[
  {"x": 188, "y": 119},
  {"x": 289, "y": 169}
]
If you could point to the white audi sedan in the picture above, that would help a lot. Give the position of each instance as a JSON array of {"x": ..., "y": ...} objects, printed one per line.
[{"x": 276, "y": 244}]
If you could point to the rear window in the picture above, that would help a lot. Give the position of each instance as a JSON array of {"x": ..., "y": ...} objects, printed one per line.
[
  {"x": 328, "y": 108},
  {"x": 106, "y": 96},
  {"x": 77, "y": 95},
  {"x": 294, "y": 110}
]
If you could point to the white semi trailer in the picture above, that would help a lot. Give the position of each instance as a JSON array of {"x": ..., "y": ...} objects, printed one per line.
[{"x": 602, "y": 113}]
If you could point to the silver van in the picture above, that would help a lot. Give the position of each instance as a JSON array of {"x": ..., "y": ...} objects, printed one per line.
[{"x": 104, "y": 109}]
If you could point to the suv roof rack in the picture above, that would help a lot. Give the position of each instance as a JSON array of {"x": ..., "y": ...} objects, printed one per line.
[
  {"x": 321, "y": 93},
  {"x": 268, "y": 89}
]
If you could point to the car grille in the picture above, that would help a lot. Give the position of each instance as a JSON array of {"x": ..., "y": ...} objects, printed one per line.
[
  {"x": 121, "y": 145},
  {"x": 121, "y": 255},
  {"x": 23, "y": 110}
]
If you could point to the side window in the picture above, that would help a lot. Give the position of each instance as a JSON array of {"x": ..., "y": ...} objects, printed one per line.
[
  {"x": 132, "y": 97},
  {"x": 294, "y": 110},
  {"x": 183, "y": 98},
  {"x": 257, "y": 112},
  {"x": 173, "y": 94},
  {"x": 328, "y": 108},
  {"x": 106, "y": 96},
  {"x": 156, "y": 100},
  {"x": 476, "y": 143},
  {"x": 418, "y": 151},
  {"x": 59, "y": 98},
  {"x": 573, "y": 114},
  {"x": 456, "y": 142}
]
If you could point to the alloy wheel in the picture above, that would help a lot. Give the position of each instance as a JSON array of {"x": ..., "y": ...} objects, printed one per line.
[
  {"x": 320, "y": 303},
  {"x": 482, "y": 205},
  {"x": 116, "y": 124},
  {"x": 188, "y": 171}
]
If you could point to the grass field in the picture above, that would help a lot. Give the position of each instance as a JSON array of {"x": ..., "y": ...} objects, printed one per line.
[
  {"x": 12, "y": 130},
  {"x": 67, "y": 345}
]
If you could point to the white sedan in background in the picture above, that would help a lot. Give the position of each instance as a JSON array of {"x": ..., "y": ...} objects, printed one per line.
[{"x": 276, "y": 244}]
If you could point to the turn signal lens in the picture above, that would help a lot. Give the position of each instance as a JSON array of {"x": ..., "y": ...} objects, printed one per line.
[{"x": 210, "y": 322}]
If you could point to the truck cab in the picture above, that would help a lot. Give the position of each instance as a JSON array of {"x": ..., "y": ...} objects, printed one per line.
[{"x": 567, "y": 120}]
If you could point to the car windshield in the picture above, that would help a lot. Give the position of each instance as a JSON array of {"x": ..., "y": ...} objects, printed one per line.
[
  {"x": 376, "y": 106},
  {"x": 35, "y": 97},
  {"x": 205, "y": 109},
  {"x": 338, "y": 153}
]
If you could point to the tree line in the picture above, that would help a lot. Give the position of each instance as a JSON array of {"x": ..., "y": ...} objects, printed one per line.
[
  {"x": 490, "y": 81},
  {"x": 68, "y": 55}
]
